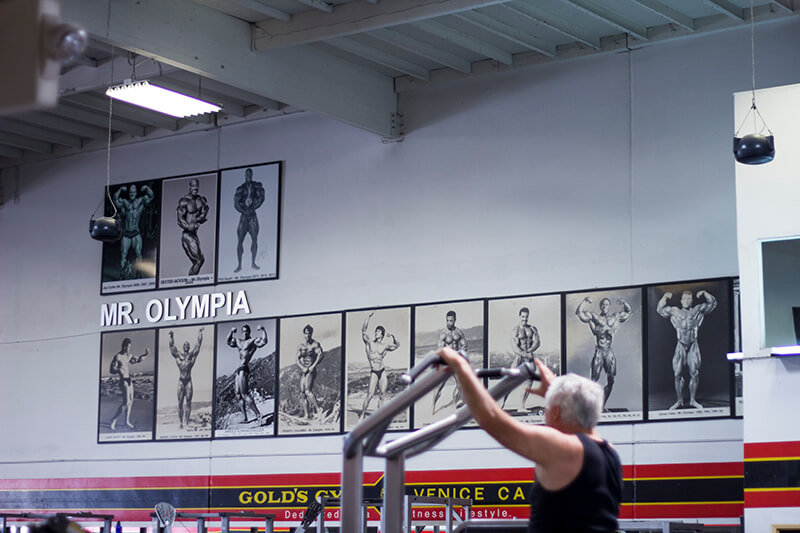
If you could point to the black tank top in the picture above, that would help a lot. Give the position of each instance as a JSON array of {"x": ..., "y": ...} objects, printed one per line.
[{"x": 590, "y": 503}]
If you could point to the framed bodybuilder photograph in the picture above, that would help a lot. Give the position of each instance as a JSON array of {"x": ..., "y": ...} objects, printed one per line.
[
  {"x": 127, "y": 386},
  {"x": 188, "y": 231},
  {"x": 245, "y": 374},
  {"x": 310, "y": 374},
  {"x": 249, "y": 222},
  {"x": 377, "y": 354},
  {"x": 519, "y": 330},
  {"x": 185, "y": 381},
  {"x": 604, "y": 343},
  {"x": 455, "y": 324},
  {"x": 129, "y": 264},
  {"x": 689, "y": 334}
]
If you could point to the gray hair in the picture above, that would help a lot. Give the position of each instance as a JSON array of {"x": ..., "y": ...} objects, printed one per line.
[{"x": 580, "y": 399}]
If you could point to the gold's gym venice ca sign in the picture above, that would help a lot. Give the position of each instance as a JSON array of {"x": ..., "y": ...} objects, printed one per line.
[{"x": 194, "y": 306}]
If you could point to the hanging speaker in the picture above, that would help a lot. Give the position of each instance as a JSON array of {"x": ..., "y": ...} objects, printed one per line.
[
  {"x": 106, "y": 229},
  {"x": 754, "y": 149}
]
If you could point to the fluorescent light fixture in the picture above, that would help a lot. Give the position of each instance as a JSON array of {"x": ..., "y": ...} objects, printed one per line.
[
  {"x": 143, "y": 94},
  {"x": 735, "y": 356},
  {"x": 781, "y": 351}
]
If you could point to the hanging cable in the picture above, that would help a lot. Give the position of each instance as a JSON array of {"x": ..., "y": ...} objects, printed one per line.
[{"x": 108, "y": 147}]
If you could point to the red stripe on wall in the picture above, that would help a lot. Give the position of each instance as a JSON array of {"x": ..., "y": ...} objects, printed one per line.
[
  {"x": 703, "y": 510},
  {"x": 763, "y": 450},
  {"x": 105, "y": 483},
  {"x": 504, "y": 475},
  {"x": 254, "y": 480},
  {"x": 688, "y": 470},
  {"x": 772, "y": 498}
]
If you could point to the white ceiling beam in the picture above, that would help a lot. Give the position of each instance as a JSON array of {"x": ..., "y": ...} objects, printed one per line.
[
  {"x": 355, "y": 17},
  {"x": 784, "y": 5},
  {"x": 99, "y": 119},
  {"x": 10, "y": 153},
  {"x": 42, "y": 134},
  {"x": 25, "y": 143},
  {"x": 506, "y": 31},
  {"x": 676, "y": 17},
  {"x": 190, "y": 79},
  {"x": 382, "y": 58},
  {"x": 263, "y": 9},
  {"x": 63, "y": 125},
  {"x": 610, "y": 17},
  {"x": 319, "y": 5},
  {"x": 218, "y": 46},
  {"x": 425, "y": 50},
  {"x": 728, "y": 9},
  {"x": 465, "y": 41},
  {"x": 562, "y": 26}
]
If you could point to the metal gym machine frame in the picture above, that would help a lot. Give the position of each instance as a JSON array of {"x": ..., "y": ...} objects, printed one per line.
[{"x": 365, "y": 440}]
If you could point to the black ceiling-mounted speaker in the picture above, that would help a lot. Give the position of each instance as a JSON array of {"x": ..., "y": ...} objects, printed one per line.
[
  {"x": 106, "y": 229},
  {"x": 754, "y": 149}
]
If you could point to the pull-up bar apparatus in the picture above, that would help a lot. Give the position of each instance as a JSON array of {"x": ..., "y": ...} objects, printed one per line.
[{"x": 365, "y": 439}]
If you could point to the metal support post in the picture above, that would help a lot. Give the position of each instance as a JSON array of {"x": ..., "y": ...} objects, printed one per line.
[
  {"x": 352, "y": 491},
  {"x": 392, "y": 519},
  {"x": 226, "y": 524}
]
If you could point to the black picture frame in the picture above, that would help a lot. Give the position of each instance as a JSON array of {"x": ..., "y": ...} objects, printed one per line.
[
  {"x": 624, "y": 399},
  {"x": 236, "y": 229},
  {"x": 714, "y": 340},
  {"x": 296, "y": 413},
  {"x": 130, "y": 264},
  {"x": 260, "y": 373},
  {"x": 139, "y": 375}
]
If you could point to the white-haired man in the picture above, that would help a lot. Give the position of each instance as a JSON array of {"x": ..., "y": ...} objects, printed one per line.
[{"x": 578, "y": 473}]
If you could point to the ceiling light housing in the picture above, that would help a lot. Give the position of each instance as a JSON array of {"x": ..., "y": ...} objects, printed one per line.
[{"x": 145, "y": 94}]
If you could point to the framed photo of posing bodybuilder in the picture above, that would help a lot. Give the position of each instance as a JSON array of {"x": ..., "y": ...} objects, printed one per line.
[
  {"x": 521, "y": 329},
  {"x": 249, "y": 222},
  {"x": 129, "y": 264},
  {"x": 377, "y": 354},
  {"x": 245, "y": 371},
  {"x": 310, "y": 374},
  {"x": 127, "y": 386},
  {"x": 185, "y": 381},
  {"x": 689, "y": 333},
  {"x": 188, "y": 231},
  {"x": 604, "y": 343},
  {"x": 455, "y": 324}
]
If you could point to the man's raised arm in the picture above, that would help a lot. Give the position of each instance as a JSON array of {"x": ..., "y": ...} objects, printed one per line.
[
  {"x": 138, "y": 358},
  {"x": 711, "y": 302},
  {"x": 541, "y": 444},
  {"x": 626, "y": 312},
  {"x": 393, "y": 344},
  {"x": 262, "y": 340},
  {"x": 662, "y": 308},
  {"x": 199, "y": 343},
  {"x": 364, "y": 328},
  {"x": 231, "y": 340},
  {"x": 172, "y": 349},
  {"x": 117, "y": 193},
  {"x": 148, "y": 194},
  {"x": 582, "y": 314}
]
